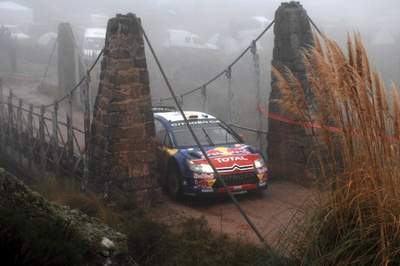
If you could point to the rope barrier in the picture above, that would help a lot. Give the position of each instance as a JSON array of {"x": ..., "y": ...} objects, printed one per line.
[
  {"x": 290, "y": 121},
  {"x": 220, "y": 74}
]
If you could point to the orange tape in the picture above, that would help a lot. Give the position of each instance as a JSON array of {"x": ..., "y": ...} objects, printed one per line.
[{"x": 287, "y": 120}]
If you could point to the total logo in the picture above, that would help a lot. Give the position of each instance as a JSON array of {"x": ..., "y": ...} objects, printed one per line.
[{"x": 231, "y": 159}]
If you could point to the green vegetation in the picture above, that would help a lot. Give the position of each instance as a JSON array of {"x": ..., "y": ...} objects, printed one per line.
[
  {"x": 67, "y": 192},
  {"x": 151, "y": 243},
  {"x": 27, "y": 240}
]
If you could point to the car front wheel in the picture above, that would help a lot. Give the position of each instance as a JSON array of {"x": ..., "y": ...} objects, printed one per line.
[{"x": 174, "y": 184}]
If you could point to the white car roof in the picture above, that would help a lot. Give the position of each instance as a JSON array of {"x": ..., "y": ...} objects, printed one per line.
[
  {"x": 176, "y": 116},
  {"x": 95, "y": 33}
]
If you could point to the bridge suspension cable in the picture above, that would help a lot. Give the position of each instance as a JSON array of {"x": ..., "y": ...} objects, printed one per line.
[
  {"x": 59, "y": 100},
  {"x": 223, "y": 72},
  {"x": 315, "y": 26},
  {"x": 79, "y": 83}
]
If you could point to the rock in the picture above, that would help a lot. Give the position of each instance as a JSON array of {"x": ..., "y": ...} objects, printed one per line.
[{"x": 108, "y": 245}]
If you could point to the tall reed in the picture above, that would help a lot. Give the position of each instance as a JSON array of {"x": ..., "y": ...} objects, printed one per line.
[{"x": 358, "y": 220}]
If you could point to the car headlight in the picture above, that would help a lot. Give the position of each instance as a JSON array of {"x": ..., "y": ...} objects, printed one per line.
[
  {"x": 200, "y": 168},
  {"x": 259, "y": 163}
]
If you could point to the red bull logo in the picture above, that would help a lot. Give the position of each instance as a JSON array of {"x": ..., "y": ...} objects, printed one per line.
[{"x": 225, "y": 151}]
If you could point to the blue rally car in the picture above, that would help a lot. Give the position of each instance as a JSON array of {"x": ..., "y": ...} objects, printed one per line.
[{"x": 184, "y": 170}]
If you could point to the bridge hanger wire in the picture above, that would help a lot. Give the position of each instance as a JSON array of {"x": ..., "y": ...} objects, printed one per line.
[
  {"x": 235, "y": 61},
  {"x": 61, "y": 99},
  {"x": 228, "y": 74},
  {"x": 257, "y": 74},
  {"x": 204, "y": 94}
]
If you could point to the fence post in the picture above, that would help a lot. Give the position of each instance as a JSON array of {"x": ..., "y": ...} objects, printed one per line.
[
  {"x": 31, "y": 139},
  {"x": 86, "y": 95},
  {"x": 19, "y": 131},
  {"x": 2, "y": 117},
  {"x": 42, "y": 142},
  {"x": 70, "y": 134},
  {"x": 55, "y": 139}
]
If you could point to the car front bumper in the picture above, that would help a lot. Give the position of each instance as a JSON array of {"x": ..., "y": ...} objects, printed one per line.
[{"x": 236, "y": 189}]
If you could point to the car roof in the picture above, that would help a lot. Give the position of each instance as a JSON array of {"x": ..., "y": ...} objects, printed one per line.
[{"x": 176, "y": 116}]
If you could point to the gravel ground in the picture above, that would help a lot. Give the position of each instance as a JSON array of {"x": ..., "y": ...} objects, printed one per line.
[{"x": 272, "y": 212}]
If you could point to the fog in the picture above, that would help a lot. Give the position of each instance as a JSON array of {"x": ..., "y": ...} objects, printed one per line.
[{"x": 214, "y": 22}]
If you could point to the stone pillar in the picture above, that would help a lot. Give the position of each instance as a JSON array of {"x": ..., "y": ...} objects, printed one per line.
[
  {"x": 288, "y": 143},
  {"x": 122, "y": 154},
  {"x": 66, "y": 58}
]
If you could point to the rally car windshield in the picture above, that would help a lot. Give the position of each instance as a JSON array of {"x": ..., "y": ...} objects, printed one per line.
[{"x": 208, "y": 135}]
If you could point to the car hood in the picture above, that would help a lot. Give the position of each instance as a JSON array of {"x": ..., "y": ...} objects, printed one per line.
[{"x": 227, "y": 158}]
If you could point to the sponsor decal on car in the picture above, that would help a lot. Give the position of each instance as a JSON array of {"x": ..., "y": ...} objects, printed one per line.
[{"x": 224, "y": 151}]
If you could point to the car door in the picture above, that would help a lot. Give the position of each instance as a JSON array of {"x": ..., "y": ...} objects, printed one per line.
[{"x": 163, "y": 143}]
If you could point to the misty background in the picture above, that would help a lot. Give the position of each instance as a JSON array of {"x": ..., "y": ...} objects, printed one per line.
[{"x": 223, "y": 27}]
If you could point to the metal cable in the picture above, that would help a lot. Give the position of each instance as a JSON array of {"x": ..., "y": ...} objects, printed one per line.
[
  {"x": 48, "y": 64},
  {"x": 315, "y": 26},
  {"x": 218, "y": 177},
  {"x": 220, "y": 74},
  {"x": 228, "y": 75},
  {"x": 79, "y": 83},
  {"x": 257, "y": 74},
  {"x": 249, "y": 129},
  {"x": 73, "y": 89}
]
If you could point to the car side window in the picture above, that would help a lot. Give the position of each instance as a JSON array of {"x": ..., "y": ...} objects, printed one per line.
[{"x": 160, "y": 131}]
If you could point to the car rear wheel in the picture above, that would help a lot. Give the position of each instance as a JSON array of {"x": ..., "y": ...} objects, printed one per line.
[{"x": 174, "y": 184}]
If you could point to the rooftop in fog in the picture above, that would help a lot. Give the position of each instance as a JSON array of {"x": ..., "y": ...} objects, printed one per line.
[{"x": 13, "y": 6}]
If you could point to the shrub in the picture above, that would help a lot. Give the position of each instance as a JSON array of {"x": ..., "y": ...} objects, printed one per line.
[
  {"x": 151, "y": 243},
  {"x": 68, "y": 193},
  {"x": 358, "y": 220},
  {"x": 26, "y": 240}
]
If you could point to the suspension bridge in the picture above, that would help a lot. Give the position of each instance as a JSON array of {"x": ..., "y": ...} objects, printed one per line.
[{"x": 110, "y": 148}]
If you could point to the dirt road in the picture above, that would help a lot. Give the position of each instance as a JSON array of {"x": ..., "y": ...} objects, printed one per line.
[{"x": 271, "y": 212}]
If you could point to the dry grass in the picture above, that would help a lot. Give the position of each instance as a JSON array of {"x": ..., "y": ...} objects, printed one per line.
[
  {"x": 358, "y": 222},
  {"x": 68, "y": 193}
]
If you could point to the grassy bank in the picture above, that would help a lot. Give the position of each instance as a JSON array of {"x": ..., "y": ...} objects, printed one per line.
[{"x": 152, "y": 243}]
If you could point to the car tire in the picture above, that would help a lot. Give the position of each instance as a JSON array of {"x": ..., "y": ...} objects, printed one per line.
[
  {"x": 257, "y": 193},
  {"x": 174, "y": 184}
]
